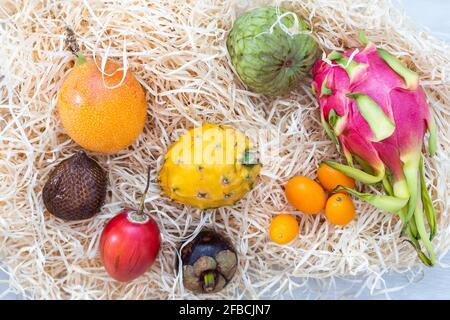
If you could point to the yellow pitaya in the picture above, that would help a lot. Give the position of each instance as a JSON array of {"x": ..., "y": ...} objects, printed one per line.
[{"x": 209, "y": 167}]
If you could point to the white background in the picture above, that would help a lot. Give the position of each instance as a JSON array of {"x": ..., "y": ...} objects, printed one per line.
[{"x": 435, "y": 16}]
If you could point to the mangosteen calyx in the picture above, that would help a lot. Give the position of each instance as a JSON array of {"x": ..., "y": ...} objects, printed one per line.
[{"x": 209, "y": 262}]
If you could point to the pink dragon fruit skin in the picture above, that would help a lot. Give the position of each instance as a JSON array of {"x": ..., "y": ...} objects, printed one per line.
[{"x": 373, "y": 106}]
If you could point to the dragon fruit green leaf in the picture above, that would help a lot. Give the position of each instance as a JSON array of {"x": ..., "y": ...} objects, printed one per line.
[
  {"x": 387, "y": 185},
  {"x": 328, "y": 129},
  {"x": 356, "y": 174},
  {"x": 411, "y": 78},
  {"x": 420, "y": 224},
  {"x": 363, "y": 38},
  {"x": 351, "y": 67},
  {"x": 313, "y": 90},
  {"x": 366, "y": 167},
  {"x": 383, "y": 202},
  {"x": 427, "y": 204},
  {"x": 432, "y": 139},
  {"x": 348, "y": 155},
  {"x": 339, "y": 124},
  {"x": 325, "y": 91},
  {"x": 382, "y": 127},
  {"x": 416, "y": 245},
  {"x": 332, "y": 118},
  {"x": 410, "y": 169}
]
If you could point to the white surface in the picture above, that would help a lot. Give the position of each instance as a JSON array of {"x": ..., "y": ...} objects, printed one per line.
[{"x": 434, "y": 15}]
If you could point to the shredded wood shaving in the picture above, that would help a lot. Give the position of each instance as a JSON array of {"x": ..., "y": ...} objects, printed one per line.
[{"x": 177, "y": 51}]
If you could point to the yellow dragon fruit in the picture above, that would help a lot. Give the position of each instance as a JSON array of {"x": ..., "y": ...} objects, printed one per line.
[
  {"x": 209, "y": 167},
  {"x": 374, "y": 107}
]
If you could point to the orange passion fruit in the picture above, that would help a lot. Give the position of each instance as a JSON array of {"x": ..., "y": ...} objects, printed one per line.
[{"x": 97, "y": 112}]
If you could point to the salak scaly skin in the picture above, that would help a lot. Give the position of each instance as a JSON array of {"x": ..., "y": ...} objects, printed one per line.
[{"x": 374, "y": 108}]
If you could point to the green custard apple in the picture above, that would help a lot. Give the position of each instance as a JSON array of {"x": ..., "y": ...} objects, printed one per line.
[{"x": 271, "y": 49}]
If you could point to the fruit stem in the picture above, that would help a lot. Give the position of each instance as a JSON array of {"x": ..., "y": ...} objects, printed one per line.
[
  {"x": 72, "y": 43},
  {"x": 250, "y": 158},
  {"x": 209, "y": 281},
  {"x": 142, "y": 202}
]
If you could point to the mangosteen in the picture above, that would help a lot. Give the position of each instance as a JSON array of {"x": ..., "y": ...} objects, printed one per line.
[{"x": 209, "y": 262}]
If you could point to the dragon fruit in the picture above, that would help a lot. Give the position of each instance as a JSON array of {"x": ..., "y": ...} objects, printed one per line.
[{"x": 373, "y": 107}]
